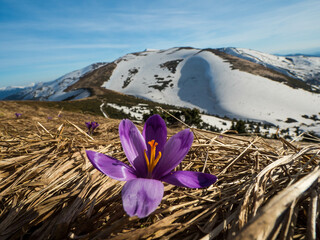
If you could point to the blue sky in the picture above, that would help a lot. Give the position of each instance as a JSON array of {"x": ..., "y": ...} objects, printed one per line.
[{"x": 41, "y": 40}]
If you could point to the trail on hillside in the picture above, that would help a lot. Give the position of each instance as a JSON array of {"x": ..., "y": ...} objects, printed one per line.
[{"x": 101, "y": 109}]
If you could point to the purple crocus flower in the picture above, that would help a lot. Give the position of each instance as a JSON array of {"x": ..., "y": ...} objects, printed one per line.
[
  {"x": 88, "y": 124},
  {"x": 94, "y": 125},
  {"x": 152, "y": 160},
  {"x": 91, "y": 126},
  {"x": 18, "y": 115}
]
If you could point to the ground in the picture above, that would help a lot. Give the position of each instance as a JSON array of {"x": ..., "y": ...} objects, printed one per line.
[{"x": 49, "y": 190}]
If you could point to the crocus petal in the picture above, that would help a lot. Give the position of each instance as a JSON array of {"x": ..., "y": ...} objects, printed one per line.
[
  {"x": 155, "y": 129},
  {"x": 190, "y": 179},
  {"x": 174, "y": 152},
  {"x": 111, "y": 167},
  {"x": 133, "y": 145},
  {"x": 94, "y": 125},
  {"x": 88, "y": 124},
  {"x": 142, "y": 196}
]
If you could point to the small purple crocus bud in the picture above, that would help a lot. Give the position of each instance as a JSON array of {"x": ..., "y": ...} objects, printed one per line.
[
  {"x": 94, "y": 125},
  {"x": 88, "y": 124},
  {"x": 91, "y": 126}
]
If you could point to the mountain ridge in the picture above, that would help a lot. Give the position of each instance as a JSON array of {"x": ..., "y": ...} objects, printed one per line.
[
  {"x": 237, "y": 83},
  {"x": 305, "y": 68}
]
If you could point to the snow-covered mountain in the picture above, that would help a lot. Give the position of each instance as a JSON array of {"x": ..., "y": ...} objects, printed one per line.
[
  {"x": 54, "y": 90},
  {"x": 283, "y": 91},
  {"x": 306, "y": 68},
  {"x": 10, "y": 91},
  {"x": 205, "y": 80}
]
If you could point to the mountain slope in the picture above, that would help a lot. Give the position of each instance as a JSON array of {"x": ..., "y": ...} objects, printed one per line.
[
  {"x": 209, "y": 79},
  {"x": 305, "y": 68},
  {"x": 10, "y": 91},
  {"x": 55, "y": 90},
  {"x": 203, "y": 79}
]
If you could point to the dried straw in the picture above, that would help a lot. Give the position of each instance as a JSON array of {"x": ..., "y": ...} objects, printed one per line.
[{"x": 267, "y": 189}]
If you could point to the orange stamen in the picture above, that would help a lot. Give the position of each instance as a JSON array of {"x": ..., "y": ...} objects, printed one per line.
[{"x": 153, "y": 161}]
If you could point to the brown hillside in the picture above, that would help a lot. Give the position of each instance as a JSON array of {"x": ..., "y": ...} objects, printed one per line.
[{"x": 93, "y": 80}]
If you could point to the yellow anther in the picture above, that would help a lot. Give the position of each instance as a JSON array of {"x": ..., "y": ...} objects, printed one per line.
[{"x": 156, "y": 161}]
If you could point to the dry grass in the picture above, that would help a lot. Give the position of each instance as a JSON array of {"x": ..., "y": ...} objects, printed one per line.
[{"x": 267, "y": 189}]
